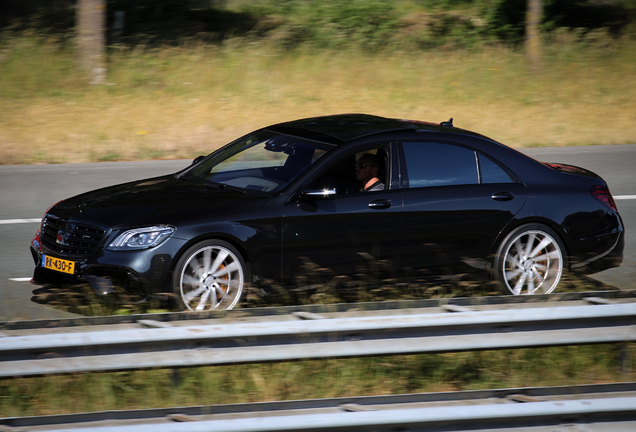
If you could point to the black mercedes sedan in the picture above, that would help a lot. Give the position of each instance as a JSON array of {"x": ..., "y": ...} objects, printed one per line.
[{"x": 336, "y": 191}]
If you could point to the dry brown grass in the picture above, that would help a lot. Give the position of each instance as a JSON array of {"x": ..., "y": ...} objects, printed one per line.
[{"x": 181, "y": 102}]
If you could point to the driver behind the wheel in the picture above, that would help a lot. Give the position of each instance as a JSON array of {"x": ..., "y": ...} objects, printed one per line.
[{"x": 366, "y": 170}]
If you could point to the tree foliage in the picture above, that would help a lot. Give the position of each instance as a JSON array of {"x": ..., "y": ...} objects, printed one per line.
[
  {"x": 506, "y": 18},
  {"x": 332, "y": 24}
]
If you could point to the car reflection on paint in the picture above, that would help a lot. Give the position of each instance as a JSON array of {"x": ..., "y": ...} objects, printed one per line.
[{"x": 257, "y": 209}]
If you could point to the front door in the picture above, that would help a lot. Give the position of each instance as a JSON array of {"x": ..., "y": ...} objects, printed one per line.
[{"x": 350, "y": 234}]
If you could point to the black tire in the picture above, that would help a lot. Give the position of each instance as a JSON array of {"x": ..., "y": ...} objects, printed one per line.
[
  {"x": 532, "y": 259},
  {"x": 210, "y": 275}
]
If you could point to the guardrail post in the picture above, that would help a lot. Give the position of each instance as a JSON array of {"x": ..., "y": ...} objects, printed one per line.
[
  {"x": 175, "y": 377},
  {"x": 625, "y": 357}
]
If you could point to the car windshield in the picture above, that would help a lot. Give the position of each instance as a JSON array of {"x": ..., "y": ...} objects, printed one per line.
[{"x": 264, "y": 161}]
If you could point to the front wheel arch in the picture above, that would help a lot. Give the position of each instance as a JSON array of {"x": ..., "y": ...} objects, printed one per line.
[
  {"x": 213, "y": 236},
  {"x": 531, "y": 259}
]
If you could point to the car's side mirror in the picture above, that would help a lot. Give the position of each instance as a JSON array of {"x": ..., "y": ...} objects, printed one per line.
[
  {"x": 319, "y": 193},
  {"x": 197, "y": 160}
]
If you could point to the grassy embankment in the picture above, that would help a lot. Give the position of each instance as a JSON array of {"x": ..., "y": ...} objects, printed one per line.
[{"x": 181, "y": 102}]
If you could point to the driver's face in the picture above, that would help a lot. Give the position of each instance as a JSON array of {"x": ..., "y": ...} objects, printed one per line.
[{"x": 365, "y": 171}]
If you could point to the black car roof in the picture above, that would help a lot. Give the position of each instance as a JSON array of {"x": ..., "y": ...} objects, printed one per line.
[{"x": 337, "y": 129}]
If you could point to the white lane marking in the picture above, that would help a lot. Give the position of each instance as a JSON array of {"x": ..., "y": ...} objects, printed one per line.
[
  {"x": 623, "y": 197},
  {"x": 18, "y": 221},
  {"x": 27, "y": 279}
]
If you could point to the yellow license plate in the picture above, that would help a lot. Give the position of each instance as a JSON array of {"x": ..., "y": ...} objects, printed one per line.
[{"x": 57, "y": 264}]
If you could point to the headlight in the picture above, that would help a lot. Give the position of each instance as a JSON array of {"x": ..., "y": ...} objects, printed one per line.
[{"x": 141, "y": 238}]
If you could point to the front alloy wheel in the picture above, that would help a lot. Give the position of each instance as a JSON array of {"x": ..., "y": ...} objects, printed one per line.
[
  {"x": 210, "y": 276},
  {"x": 530, "y": 261}
]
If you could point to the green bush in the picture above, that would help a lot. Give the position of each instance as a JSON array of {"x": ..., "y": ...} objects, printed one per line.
[
  {"x": 450, "y": 30},
  {"x": 369, "y": 24}
]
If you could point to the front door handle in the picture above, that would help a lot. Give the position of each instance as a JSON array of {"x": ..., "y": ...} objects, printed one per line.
[
  {"x": 503, "y": 196},
  {"x": 380, "y": 204}
]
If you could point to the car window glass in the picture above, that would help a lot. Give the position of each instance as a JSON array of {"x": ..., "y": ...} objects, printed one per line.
[
  {"x": 435, "y": 164},
  {"x": 250, "y": 157},
  {"x": 491, "y": 172},
  {"x": 264, "y": 161},
  {"x": 341, "y": 175},
  {"x": 275, "y": 151}
]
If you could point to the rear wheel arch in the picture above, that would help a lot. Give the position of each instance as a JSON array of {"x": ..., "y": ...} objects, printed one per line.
[{"x": 529, "y": 221}]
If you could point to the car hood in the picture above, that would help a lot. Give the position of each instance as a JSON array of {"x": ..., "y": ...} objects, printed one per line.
[{"x": 161, "y": 200}]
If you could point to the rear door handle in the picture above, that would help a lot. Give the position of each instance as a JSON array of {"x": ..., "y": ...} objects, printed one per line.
[
  {"x": 380, "y": 204},
  {"x": 503, "y": 196}
]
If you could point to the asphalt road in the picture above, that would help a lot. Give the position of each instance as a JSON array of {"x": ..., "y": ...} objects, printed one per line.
[{"x": 28, "y": 190}]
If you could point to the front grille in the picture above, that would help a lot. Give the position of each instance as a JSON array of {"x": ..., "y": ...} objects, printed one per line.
[{"x": 68, "y": 238}]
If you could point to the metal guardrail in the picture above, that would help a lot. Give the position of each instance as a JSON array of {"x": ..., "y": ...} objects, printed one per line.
[
  {"x": 609, "y": 407},
  {"x": 338, "y": 308},
  {"x": 604, "y": 413},
  {"x": 290, "y": 340}
]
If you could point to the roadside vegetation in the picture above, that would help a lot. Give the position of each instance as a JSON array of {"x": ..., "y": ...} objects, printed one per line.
[
  {"x": 183, "y": 82},
  {"x": 310, "y": 379}
]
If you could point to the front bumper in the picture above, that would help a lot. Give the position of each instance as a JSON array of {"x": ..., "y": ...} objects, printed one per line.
[{"x": 143, "y": 272}]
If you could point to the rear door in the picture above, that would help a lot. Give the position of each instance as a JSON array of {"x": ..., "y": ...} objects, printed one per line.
[{"x": 456, "y": 201}]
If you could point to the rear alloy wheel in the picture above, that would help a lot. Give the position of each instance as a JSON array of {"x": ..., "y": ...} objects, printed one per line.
[
  {"x": 530, "y": 260},
  {"x": 209, "y": 276}
]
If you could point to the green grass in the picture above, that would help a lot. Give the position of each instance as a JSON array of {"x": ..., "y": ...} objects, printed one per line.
[{"x": 313, "y": 379}]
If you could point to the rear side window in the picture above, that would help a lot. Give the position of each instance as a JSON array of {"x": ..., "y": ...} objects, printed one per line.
[
  {"x": 491, "y": 172},
  {"x": 435, "y": 164}
]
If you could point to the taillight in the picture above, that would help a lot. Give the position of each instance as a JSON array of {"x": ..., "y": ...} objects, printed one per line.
[{"x": 603, "y": 194}]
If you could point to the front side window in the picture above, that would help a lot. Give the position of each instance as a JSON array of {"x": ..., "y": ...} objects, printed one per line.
[
  {"x": 363, "y": 171},
  {"x": 264, "y": 161},
  {"x": 436, "y": 164}
]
